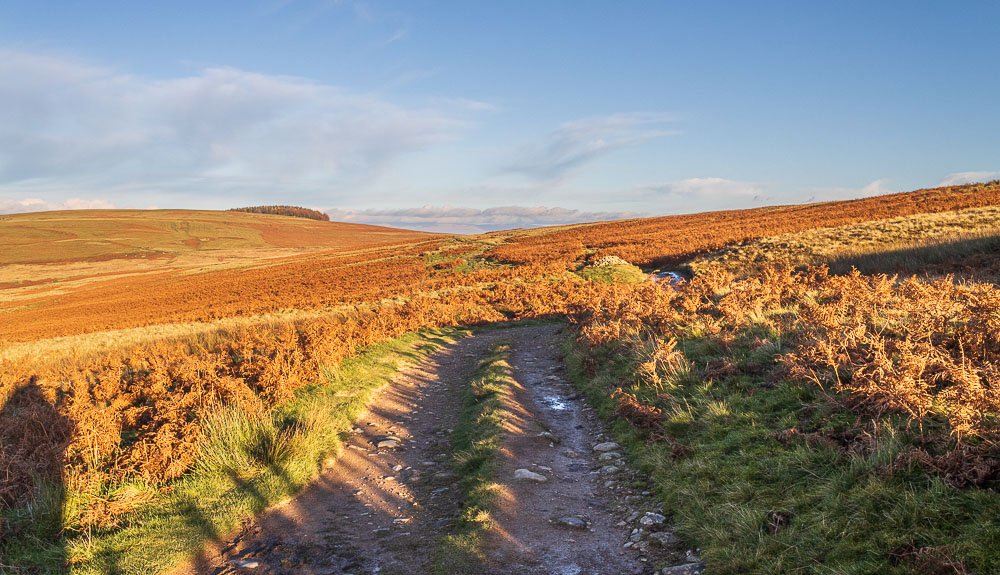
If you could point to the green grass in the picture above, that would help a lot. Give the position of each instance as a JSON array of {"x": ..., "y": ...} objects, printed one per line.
[
  {"x": 617, "y": 273},
  {"x": 246, "y": 464},
  {"x": 475, "y": 443},
  {"x": 848, "y": 511}
]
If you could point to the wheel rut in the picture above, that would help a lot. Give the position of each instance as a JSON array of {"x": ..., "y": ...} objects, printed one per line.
[{"x": 387, "y": 499}]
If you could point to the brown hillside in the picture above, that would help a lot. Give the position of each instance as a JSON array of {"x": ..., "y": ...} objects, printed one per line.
[{"x": 672, "y": 239}]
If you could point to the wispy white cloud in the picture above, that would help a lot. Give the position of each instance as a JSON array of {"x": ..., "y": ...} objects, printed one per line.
[
  {"x": 877, "y": 188},
  {"x": 707, "y": 188},
  {"x": 471, "y": 220},
  {"x": 701, "y": 194},
  {"x": 960, "y": 178},
  {"x": 11, "y": 206},
  {"x": 64, "y": 121},
  {"x": 576, "y": 143},
  {"x": 396, "y": 36}
]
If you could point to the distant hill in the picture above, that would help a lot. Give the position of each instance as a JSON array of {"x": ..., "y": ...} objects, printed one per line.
[
  {"x": 101, "y": 235},
  {"x": 86, "y": 270},
  {"x": 294, "y": 211}
]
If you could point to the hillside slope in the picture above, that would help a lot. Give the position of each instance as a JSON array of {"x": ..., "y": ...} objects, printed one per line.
[
  {"x": 101, "y": 235},
  {"x": 906, "y": 244},
  {"x": 81, "y": 272},
  {"x": 73, "y": 272},
  {"x": 667, "y": 240}
]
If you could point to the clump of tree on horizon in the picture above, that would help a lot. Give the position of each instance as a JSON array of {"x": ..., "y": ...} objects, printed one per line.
[{"x": 294, "y": 211}]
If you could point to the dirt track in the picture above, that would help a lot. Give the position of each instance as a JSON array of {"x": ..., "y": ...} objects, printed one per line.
[{"x": 383, "y": 509}]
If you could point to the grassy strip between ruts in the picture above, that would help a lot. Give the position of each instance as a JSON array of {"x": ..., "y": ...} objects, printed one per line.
[
  {"x": 767, "y": 476},
  {"x": 475, "y": 443},
  {"x": 246, "y": 465}
]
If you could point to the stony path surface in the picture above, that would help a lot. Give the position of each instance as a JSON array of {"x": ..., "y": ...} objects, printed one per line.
[
  {"x": 571, "y": 516},
  {"x": 569, "y": 506}
]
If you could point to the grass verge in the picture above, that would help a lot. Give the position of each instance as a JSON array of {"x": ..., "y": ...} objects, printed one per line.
[
  {"x": 767, "y": 475},
  {"x": 475, "y": 443},
  {"x": 247, "y": 463}
]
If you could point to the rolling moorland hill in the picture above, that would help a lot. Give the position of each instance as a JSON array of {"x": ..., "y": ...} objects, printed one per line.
[
  {"x": 99, "y": 270},
  {"x": 789, "y": 420},
  {"x": 237, "y": 264}
]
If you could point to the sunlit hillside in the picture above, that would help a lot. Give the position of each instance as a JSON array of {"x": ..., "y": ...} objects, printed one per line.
[
  {"x": 176, "y": 358},
  {"x": 99, "y": 270}
]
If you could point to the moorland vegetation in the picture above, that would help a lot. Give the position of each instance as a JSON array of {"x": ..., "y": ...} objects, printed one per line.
[{"x": 861, "y": 409}]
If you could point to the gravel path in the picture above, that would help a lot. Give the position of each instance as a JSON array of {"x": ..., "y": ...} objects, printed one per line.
[{"x": 567, "y": 508}]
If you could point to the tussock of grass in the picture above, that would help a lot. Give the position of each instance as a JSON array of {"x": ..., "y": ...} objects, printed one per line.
[
  {"x": 616, "y": 273},
  {"x": 853, "y": 507},
  {"x": 475, "y": 443},
  {"x": 247, "y": 463}
]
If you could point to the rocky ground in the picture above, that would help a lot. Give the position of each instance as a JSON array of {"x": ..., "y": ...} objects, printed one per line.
[{"x": 570, "y": 504}]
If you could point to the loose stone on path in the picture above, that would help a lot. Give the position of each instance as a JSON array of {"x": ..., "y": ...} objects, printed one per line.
[{"x": 528, "y": 475}]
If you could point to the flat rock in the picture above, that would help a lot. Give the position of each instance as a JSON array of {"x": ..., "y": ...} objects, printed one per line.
[
  {"x": 528, "y": 475},
  {"x": 609, "y": 469},
  {"x": 245, "y": 564},
  {"x": 607, "y": 446},
  {"x": 685, "y": 569},
  {"x": 549, "y": 436},
  {"x": 388, "y": 442},
  {"x": 665, "y": 539},
  {"x": 651, "y": 518},
  {"x": 572, "y": 522},
  {"x": 610, "y": 456}
]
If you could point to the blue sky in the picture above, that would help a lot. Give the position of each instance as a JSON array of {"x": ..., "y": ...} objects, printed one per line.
[{"x": 477, "y": 115}]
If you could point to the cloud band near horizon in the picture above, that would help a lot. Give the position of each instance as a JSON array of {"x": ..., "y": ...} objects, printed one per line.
[{"x": 449, "y": 219}]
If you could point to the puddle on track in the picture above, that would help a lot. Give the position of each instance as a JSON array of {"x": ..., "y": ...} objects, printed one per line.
[{"x": 555, "y": 403}]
